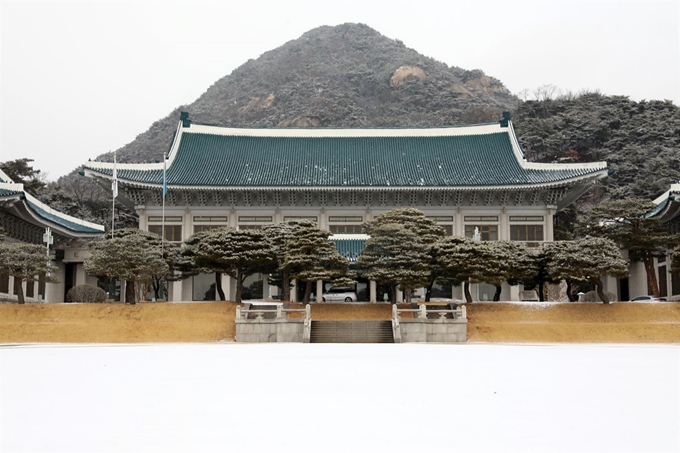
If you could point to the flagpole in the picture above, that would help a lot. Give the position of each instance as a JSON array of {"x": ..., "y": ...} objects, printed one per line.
[
  {"x": 164, "y": 191},
  {"x": 114, "y": 193}
]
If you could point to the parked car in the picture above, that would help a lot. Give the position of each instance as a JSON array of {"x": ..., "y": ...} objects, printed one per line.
[
  {"x": 337, "y": 294},
  {"x": 648, "y": 299}
]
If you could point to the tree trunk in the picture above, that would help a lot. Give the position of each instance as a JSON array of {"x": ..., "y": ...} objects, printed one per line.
[
  {"x": 218, "y": 285},
  {"x": 651, "y": 275},
  {"x": 570, "y": 291},
  {"x": 497, "y": 294},
  {"x": 239, "y": 286},
  {"x": 156, "y": 285},
  {"x": 130, "y": 292},
  {"x": 600, "y": 291},
  {"x": 308, "y": 292},
  {"x": 408, "y": 291},
  {"x": 428, "y": 291},
  {"x": 285, "y": 285},
  {"x": 393, "y": 294},
  {"x": 541, "y": 291},
  {"x": 466, "y": 289},
  {"x": 20, "y": 291}
]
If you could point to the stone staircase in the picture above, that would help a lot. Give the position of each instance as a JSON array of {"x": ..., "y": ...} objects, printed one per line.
[{"x": 351, "y": 332}]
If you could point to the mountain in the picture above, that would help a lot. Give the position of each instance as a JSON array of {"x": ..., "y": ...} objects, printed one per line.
[{"x": 343, "y": 76}]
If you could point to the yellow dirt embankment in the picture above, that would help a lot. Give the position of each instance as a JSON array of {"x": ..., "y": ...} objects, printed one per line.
[
  {"x": 623, "y": 322},
  {"x": 214, "y": 321}
]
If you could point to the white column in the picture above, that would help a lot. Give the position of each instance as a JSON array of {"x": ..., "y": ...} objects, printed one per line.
[
  {"x": 504, "y": 233},
  {"x": 373, "y": 291},
  {"x": 319, "y": 290},
  {"x": 400, "y": 296},
  {"x": 187, "y": 293},
  {"x": 265, "y": 287},
  {"x": 549, "y": 227},
  {"x": 81, "y": 277},
  {"x": 293, "y": 290},
  {"x": 188, "y": 225},
  {"x": 141, "y": 213},
  {"x": 458, "y": 227}
]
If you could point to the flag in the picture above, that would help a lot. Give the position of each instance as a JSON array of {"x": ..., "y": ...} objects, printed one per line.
[
  {"x": 114, "y": 181},
  {"x": 165, "y": 182}
]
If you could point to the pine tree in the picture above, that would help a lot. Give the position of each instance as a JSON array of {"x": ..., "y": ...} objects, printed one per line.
[
  {"x": 278, "y": 234},
  {"x": 426, "y": 233},
  {"x": 585, "y": 260},
  {"x": 394, "y": 255},
  {"x": 130, "y": 257},
  {"x": 25, "y": 262},
  {"x": 310, "y": 256},
  {"x": 626, "y": 222},
  {"x": 237, "y": 253}
]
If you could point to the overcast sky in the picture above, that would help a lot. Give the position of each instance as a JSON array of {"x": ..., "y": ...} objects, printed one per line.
[{"x": 78, "y": 79}]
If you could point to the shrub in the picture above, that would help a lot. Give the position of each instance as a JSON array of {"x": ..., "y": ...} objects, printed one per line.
[
  {"x": 86, "y": 293},
  {"x": 591, "y": 296}
]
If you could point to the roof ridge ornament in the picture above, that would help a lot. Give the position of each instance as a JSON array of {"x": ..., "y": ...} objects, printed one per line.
[
  {"x": 505, "y": 120},
  {"x": 184, "y": 118}
]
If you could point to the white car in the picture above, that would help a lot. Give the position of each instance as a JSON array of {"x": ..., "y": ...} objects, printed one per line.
[
  {"x": 339, "y": 295},
  {"x": 648, "y": 299}
]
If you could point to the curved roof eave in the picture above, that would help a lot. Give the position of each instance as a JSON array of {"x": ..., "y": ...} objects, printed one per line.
[{"x": 553, "y": 184}]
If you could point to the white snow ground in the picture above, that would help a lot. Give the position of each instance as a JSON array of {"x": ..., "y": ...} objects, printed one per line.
[{"x": 345, "y": 398}]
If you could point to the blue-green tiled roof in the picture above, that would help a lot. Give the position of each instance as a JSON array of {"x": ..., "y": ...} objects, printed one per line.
[
  {"x": 59, "y": 220},
  {"x": 350, "y": 248},
  {"x": 205, "y": 160},
  {"x": 7, "y": 193}
]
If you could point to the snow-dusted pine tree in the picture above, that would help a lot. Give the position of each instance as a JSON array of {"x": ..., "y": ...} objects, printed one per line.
[
  {"x": 586, "y": 260},
  {"x": 310, "y": 256},
  {"x": 24, "y": 262},
  {"x": 238, "y": 253},
  {"x": 395, "y": 256},
  {"x": 132, "y": 258},
  {"x": 426, "y": 233},
  {"x": 278, "y": 234},
  {"x": 626, "y": 222}
]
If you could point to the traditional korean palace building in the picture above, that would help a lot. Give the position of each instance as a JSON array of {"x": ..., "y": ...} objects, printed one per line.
[
  {"x": 462, "y": 177},
  {"x": 26, "y": 219}
]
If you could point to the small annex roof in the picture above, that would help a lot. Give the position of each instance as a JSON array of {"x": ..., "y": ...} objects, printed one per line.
[
  {"x": 667, "y": 205},
  {"x": 476, "y": 157},
  {"x": 14, "y": 199},
  {"x": 349, "y": 245}
]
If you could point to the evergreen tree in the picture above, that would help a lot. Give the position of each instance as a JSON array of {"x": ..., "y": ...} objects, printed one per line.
[
  {"x": 130, "y": 257},
  {"x": 426, "y": 232},
  {"x": 21, "y": 172},
  {"x": 25, "y": 262},
  {"x": 394, "y": 255},
  {"x": 675, "y": 259},
  {"x": 626, "y": 222},
  {"x": 310, "y": 256},
  {"x": 278, "y": 235},
  {"x": 237, "y": 253},
  {"x": 585, "y": 260}
]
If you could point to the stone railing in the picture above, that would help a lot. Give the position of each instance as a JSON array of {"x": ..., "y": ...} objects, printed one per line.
[
  {"x": 448, "y": 326},
  {"x": 272, "y": 325}
]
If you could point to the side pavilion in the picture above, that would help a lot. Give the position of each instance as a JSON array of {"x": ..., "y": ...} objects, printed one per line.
[
  {"x": 24, "y": 218},
  {"x": 462, "y": 177}
]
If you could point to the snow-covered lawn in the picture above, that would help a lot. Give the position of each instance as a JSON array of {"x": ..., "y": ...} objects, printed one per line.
[{"x": 345, "y": 398}]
